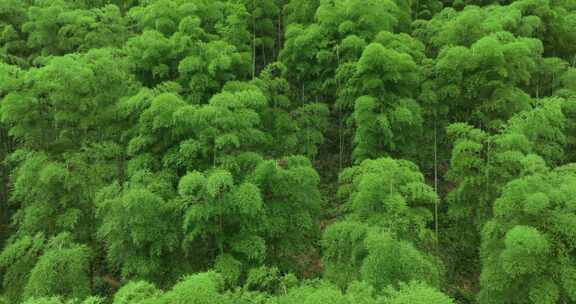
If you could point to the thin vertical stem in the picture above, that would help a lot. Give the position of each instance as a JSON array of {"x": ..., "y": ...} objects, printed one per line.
[
  {"x": 214, "y": 155},
  {"x": 280, "y": 32},
  {"x": 340, "y": 119},
  {"x": 253, "y": 40},
  {"x": 436, "y": 178}
]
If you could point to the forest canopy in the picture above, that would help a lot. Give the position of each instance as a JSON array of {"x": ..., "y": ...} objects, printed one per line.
[{"x": 287, "y": 151}]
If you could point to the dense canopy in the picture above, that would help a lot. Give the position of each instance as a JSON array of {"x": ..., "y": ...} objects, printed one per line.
[{"x": 287, "y": 151}]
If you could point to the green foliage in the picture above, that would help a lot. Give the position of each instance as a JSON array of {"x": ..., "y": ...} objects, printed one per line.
[
  {"x": 344, "y": 251},
  {"x": 354, "y": 251},
  {"x": 417, "y": 293},
  {"x": 313, "y": 51},
  {"x": 139, "y": 226},
  {"x": 12, "y": 41},
  {"x": 390, "y": 194},
  {"x": 203, "y": 44},
  {"x": 544, "y": 20},
  {"x": 17, "y": 260},
  {"x": 36, "y": 267},
  {"x": 268, "y": 216},
  {"x": 208, "y": 288},
  {"x": 59, "y": 27},
  {"x": 135, "y": 292},
  {"x": 60, "y": 106},
  {"x": 390, "y": 262},
  {"x": 526, "y": 246},
  {"x": 362, "y": 18},
  {"x": 198, "y": 289},
  {"x": 208, "y": 67},
  {"x": 388, "y": 204},
  {"x": 303, "y": 48},
  {"x": 195, "y": 19},
  {"x": 482, "y": 163},
  {"x": 239, "y": 119},
  {"x": 219, "y": 209},
  {"x": 265, "y": 29},
  {"x": 62, "y": 270},
  {"x": 300, "y": 11},
  {"x": 295, "y": 128},
  {"x": 59, "y": 300},
  {"x": 387, "y": 114},
  {"x": 377, "y": 87},
  {"x": 320, "y": 292},
  {"x": 290, "y": 188},
  {"x": 287, "y": 151},
  {"x": 185, "y": 137},
  {"x": 491, "y": 70},
  {"x": 266, "y": 279}
]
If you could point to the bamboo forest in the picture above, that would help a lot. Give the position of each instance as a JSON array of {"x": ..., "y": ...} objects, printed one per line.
[{"x": 288, "y": 151}]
